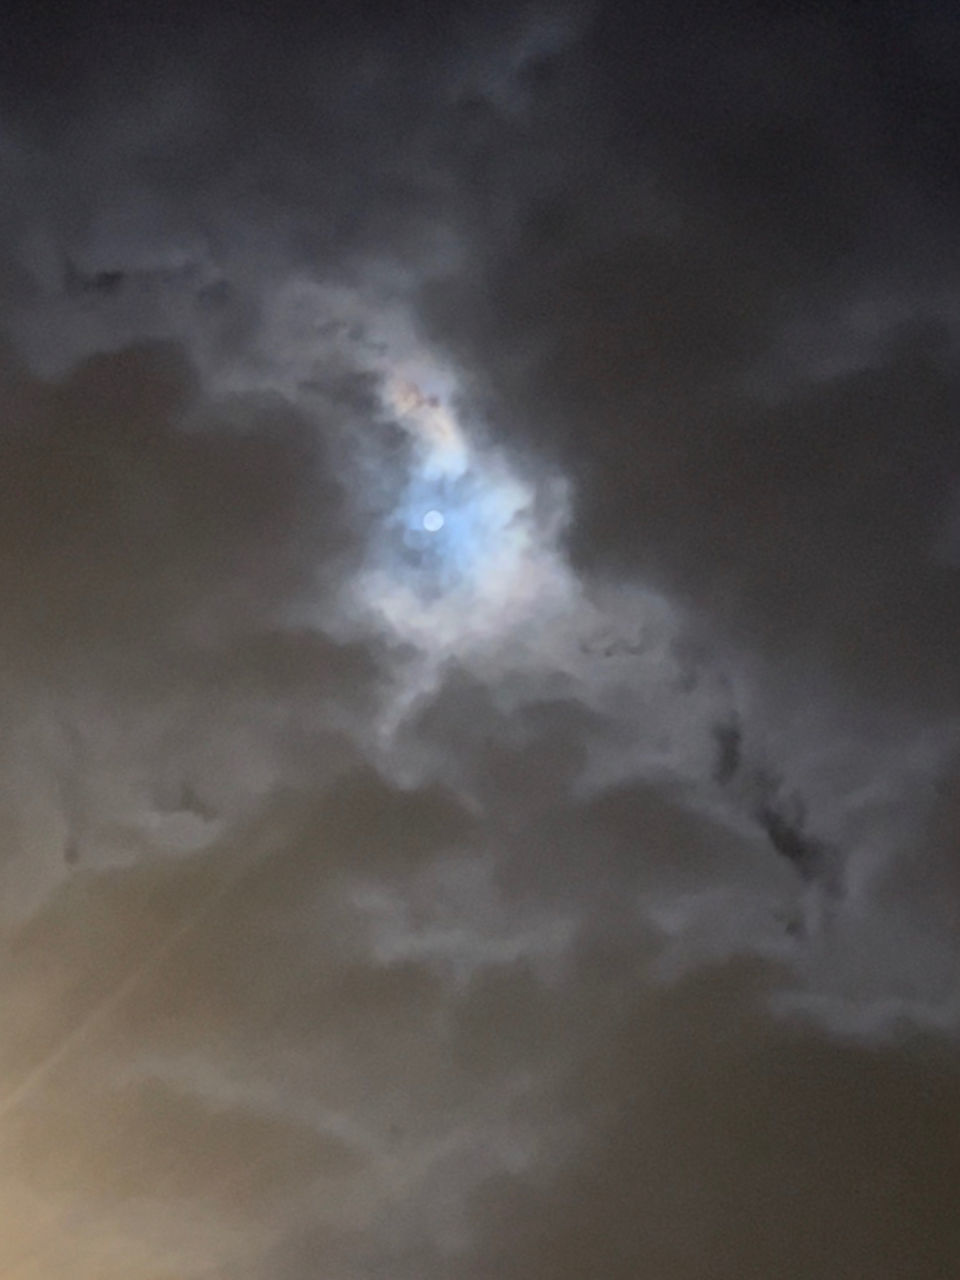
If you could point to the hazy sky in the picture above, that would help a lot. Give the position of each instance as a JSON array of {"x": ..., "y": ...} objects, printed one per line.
[{"x": 479, "y": 615}]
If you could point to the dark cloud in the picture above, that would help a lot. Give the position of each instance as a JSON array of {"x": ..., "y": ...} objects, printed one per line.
[
  {"x": 120, "y": 525},
  {"x": 755, "y": 1149},
  {"x": 738, "y": 181}
]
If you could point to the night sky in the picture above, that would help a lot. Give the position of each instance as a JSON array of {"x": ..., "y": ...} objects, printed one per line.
[{"x": 480, "y": 641}]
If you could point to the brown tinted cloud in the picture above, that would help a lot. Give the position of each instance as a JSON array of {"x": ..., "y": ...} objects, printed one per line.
[{"x": 569, "y": 891}]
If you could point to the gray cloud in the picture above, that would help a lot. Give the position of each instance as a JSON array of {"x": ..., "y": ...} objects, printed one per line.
[{"x": 570, "y": 890}]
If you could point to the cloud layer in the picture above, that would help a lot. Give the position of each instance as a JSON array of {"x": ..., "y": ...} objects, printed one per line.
[{"x": 566, "y": 890}]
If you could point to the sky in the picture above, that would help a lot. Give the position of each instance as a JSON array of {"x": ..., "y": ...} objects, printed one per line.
[{"x": 479, "y": 599}]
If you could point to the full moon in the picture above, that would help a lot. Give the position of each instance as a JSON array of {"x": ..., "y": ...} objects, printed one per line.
[{"x": 433, "y": 521}]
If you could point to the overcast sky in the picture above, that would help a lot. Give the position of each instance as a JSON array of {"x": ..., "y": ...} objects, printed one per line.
[{"x": 479, "y": 614}]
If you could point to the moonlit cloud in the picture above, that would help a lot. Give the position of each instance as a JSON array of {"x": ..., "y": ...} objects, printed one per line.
[{"x": 480, "y": 706}]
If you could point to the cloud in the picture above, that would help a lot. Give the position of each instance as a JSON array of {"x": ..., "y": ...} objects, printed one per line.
[
  {"x": 707, "y": 1162},
  {"x": 568, "y": 889}
]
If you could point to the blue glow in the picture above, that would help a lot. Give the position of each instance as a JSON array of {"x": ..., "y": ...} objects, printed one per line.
[
  {"x": 448, "y": 532},
  {"x": 457, "y": 553}
]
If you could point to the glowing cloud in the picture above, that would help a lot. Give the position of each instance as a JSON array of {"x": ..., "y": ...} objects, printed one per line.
[{"x": 467, "y": 550}]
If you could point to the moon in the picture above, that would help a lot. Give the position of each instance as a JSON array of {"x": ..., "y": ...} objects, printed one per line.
[{"x": 433, "y": 521}]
